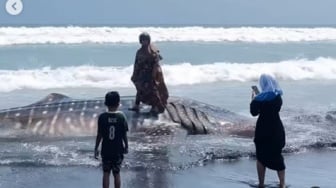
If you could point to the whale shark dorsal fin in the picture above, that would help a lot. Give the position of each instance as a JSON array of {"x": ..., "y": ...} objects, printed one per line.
[{"x": 52, "y": 98}]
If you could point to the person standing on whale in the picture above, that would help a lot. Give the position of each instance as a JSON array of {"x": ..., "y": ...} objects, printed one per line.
[{"x": 148, "y": 77}]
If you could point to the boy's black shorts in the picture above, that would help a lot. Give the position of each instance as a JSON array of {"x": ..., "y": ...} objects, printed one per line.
[{"x": 113, "y": 163}]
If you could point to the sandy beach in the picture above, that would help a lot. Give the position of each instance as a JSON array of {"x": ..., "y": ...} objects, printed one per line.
[{"x": 304, "y": 170}]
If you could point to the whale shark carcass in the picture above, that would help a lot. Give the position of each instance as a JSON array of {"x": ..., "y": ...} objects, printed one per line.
[{"x": 60, "y": 115}]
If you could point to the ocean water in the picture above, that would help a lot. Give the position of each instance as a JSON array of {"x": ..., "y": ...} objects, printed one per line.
[{"x": 214, "y": 65}]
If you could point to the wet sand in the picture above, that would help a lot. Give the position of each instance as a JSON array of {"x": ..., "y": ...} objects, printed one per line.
[{"x": 308, "y": 169}]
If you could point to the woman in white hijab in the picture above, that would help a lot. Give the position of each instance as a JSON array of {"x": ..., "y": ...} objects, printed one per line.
[{"x": 269, "y": 135}]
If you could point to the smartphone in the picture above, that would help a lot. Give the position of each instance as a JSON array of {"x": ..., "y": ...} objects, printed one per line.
[{"x": 255, "y": 89}]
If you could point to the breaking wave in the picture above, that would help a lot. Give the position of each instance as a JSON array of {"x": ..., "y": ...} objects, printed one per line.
[
  {"x": 76, "y": 35},
  {"x": 175, "y": 74}
]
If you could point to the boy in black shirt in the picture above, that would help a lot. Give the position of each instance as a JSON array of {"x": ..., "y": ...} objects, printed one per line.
[{"x": 112, "y": 129}]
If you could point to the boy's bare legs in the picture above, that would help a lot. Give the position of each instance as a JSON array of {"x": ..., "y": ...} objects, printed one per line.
[
  {"x": 261, "y": 173},
  {"x": 106, "y": 180},
  {"x": 281, "y": 175},
  {"x": 116, "y": 180}
]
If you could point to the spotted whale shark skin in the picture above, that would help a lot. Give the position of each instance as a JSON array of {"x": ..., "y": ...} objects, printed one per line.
[{"x": 60, "y": 115}]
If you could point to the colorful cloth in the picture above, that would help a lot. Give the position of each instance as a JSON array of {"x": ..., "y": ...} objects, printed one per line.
[{"x": 148, "y": 78}]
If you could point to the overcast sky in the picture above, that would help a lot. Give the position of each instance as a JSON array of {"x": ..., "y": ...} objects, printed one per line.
[{"x": 172, "y": 12}]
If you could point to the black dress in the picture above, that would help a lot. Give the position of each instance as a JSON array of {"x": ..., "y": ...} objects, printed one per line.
[{"x": 269, "y": 137}]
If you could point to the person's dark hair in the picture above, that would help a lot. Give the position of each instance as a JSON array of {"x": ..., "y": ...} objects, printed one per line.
[
  {"x": 112, "y": 99},
  {"x": 144, "y": 36}
]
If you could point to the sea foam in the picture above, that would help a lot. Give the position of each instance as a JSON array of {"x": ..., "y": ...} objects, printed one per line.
[
  {"x": 77, "y": 35},
  {"x": 175, "y": 74}
]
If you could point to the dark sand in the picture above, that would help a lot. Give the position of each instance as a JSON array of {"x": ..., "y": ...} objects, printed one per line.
[{"x": 308, "y": 169}]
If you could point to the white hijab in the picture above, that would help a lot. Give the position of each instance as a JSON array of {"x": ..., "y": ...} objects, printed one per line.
[{"x": 269, "y": 88}]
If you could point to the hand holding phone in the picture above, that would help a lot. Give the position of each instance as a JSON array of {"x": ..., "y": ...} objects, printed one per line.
[{"x": 255, "y": 90}]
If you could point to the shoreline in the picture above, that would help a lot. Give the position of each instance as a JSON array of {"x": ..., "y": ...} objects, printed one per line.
[{"x": 306, "y": 169}]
